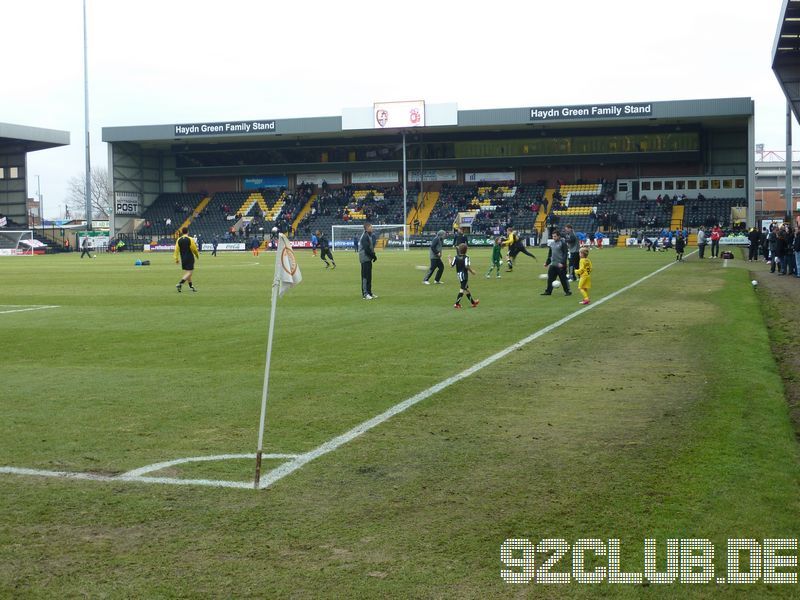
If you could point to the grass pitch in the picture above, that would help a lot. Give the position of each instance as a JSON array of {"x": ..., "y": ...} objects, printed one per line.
[{"x": 657, "y": 414}]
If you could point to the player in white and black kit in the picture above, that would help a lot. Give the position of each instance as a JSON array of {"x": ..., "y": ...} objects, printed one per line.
[
  {"x": 325, "y": 250},
  {"x": 461, "y": 263}
]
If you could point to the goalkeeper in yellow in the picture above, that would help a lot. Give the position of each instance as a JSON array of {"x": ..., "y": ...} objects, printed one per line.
[
  {"x": 185, "y": 253},
  {"x": 584, "y": 272}
]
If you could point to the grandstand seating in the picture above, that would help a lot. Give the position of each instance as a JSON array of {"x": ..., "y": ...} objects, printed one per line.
[
  {"x": 348, "y": 206},
  {"x": 176, "y": 207},
  {"x": 494, "y": 206},
  {"x": 710, "y": 211}
]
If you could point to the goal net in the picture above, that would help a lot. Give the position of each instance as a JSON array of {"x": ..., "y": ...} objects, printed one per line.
[
  {"x": 345, "y": 237},
  {"x": 16, "y": 243}
]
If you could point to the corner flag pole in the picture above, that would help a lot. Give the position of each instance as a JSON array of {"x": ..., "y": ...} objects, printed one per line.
[{"x": 265, "y": 391}]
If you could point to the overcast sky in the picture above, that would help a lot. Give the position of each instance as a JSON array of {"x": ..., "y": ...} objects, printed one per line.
[{"x": 178, "y": 61}]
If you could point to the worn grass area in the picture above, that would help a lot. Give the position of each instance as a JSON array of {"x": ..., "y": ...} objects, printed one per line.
[{"x": 657, "y": 414}]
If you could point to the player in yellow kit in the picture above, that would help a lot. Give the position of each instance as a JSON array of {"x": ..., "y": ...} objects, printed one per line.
[
  {"x": 185, "y": 253},
  {"x": 584, "y": 272}
]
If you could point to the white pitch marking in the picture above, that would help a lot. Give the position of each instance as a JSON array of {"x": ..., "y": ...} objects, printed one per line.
[
  {"x": 290, "y": 467},
  {"x": 122, "y": 478},
  {"x": 179, "y": 461},
  {"x": 137, "y": 475},
  {"x": 725, "y": 263},
  {"x": 3, "y": 312}
]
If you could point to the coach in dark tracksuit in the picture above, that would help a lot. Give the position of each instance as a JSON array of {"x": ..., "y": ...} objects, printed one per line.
[
  {"x": 366, "y": 255},
  {"x": 557, "y": 264},
  {"x": 436, "y": 258}
]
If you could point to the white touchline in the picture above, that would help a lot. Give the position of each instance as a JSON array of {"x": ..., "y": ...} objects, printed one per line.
[
  {"x": 290, "y": 467},
  {"x": 3, "y": 312}
]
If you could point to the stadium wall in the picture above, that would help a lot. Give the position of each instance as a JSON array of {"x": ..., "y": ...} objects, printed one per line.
[{"x": 13, "y": 190}]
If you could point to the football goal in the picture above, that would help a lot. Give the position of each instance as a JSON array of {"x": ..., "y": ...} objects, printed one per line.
[
  {"x": 16, "y": 243},
  {"x": 345, "y": 237}
]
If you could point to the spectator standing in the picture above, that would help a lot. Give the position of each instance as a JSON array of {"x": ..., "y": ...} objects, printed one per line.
[
  {"x": 702, "y": 240},
  {"x": 716, "y": 235},
  {"x": 754, "y": 237}
]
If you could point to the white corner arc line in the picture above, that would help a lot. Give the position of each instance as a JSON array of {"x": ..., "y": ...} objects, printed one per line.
[
  {"x": 5, "y": 312},
  {"x": 121, "y": 478},
  {"x": 290, "y": 467},
  {"x": 141, "y": 471}
]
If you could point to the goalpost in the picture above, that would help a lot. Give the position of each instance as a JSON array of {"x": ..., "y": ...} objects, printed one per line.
[
  {"x": 16, "y": 243},
  {"x": 386, "y": 236}
]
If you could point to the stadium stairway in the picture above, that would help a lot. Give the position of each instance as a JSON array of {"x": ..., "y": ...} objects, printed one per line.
[
  {"x": 301, "y": 214},
  {"x": 423, "y": 209},
  {"x": 196, "y": 211},
  {"x": 677, "y": 217},
  {"x": 541, "y": 218}
]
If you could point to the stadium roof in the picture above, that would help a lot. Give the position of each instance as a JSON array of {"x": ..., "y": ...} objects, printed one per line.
[
  {"x": 786, "y": 53},
  {"x": 721, "y": 111},
  {"x": 31, "y": 139}
]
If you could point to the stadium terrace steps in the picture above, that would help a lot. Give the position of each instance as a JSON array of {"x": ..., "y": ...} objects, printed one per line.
[
  {"x": 301, "y": 214},
  {"x": 197, "y": 210},
  {"x": 677, "y": 217},
  {"x": 541, "y": 218},
  {"x": 424, "y": 208}
]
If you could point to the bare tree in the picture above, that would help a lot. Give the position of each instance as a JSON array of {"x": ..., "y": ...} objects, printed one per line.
[{"x": 100, "y": 193}]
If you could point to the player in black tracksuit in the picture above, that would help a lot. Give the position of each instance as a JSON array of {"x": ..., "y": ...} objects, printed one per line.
[
  {"x": 325, "y": 250},
  {"x": 461, "y": 263}
]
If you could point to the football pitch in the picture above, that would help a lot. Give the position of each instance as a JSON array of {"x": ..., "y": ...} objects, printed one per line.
[{"x": 406, "y": 441}]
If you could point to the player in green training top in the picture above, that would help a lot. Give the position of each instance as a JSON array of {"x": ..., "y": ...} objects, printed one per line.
[{"x": 497, "y": 258}]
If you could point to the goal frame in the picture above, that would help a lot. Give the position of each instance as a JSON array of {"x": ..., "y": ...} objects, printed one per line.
[
  {"x": 19, "y": 250},
  {"x": 359, "y": 227}
]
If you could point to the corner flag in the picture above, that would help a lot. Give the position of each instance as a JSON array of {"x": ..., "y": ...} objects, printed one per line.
[
  {"x": 287, "y": 275},
  {"x": 287, "y": 271}
]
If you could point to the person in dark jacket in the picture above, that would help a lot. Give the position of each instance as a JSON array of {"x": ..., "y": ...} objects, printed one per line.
[
  {"x": 772, "y": 244},
  {"x": 556, "y": 264},
  {"x": 755, "y": 238},
  {"x": 436, "y": 258},
  {"x": 781, "y": 249},
  {"x": 366, "y": 256}
]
